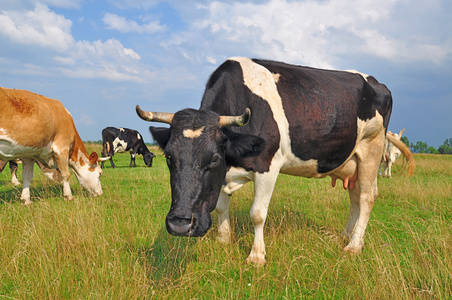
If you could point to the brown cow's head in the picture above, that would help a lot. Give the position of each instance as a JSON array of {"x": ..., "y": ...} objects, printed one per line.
[{"x": 197, "y": 147}]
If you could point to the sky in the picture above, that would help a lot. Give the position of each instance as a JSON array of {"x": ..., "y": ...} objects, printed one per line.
[{"x": 101, "y": 58}]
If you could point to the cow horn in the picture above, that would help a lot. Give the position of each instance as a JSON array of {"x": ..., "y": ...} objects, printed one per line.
[
  {"x": 101, "y": 159},
  {"x": 154, "y": 116},
  {"x": 236, "y": 120}
]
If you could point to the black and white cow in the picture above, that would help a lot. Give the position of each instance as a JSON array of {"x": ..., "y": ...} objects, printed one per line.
[
  {"x": 121, "y": 140},
  {"x": 299, "y": 121}
]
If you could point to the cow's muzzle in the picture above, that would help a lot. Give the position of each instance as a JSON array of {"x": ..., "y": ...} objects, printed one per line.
[{"x": 181, "y": 226}]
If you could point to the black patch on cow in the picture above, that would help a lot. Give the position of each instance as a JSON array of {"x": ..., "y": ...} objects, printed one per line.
[
  {"x": 322, "y": 107},
  {"x": 226, "y": 94}
]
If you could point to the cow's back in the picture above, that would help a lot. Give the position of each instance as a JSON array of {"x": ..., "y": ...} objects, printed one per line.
[
  {"x": 311, "y": 113},
  {"x": 32, "y": 120}
]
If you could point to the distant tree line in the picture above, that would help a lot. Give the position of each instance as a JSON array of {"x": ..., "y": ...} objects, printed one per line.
[{"x": 422, "y": 147}]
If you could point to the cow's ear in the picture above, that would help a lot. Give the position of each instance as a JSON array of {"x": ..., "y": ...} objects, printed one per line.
[
  {"x": 242, "y": 145},
  {"x": 161, "y": 135}
]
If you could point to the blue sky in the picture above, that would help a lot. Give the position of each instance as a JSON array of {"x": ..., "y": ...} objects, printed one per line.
[{"x": 101, "y": 58}]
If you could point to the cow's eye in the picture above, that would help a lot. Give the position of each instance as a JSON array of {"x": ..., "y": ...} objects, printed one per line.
[{"x": 215, "y": 160}]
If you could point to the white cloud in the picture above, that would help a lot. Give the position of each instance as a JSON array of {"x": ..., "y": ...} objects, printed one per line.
[
  {"x": 40, "y": 27},
  {"x": 317, "y": 33},
  {"x": 122, "y": 24},
  {"x": 109, "y": 59},
  {"x": 80, "y": 59}
]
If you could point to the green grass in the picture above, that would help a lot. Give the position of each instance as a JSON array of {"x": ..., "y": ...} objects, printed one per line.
[{"x": 116, "y": 246}]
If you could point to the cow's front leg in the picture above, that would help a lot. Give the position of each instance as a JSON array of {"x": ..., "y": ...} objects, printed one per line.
[
  {"x": 27, "y": 176},
  {"x": 263, "y": 190},
  {"x": 222, "y": 209},
  {"x": 235, "y": 179},
  {"x": 62, "y": 161}
]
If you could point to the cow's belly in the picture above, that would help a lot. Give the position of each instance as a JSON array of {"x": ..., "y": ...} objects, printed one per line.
[{"x": 10, "y": 149}]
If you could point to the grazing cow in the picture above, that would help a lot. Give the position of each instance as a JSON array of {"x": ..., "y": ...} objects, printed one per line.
[
  {"x": 390, "y": 154},
  {"x": 121, "y": 140},
  {"x": 52, "y": 174},
  {"x": 34, "y": 127},
  {"x": 304, "y": 121}
]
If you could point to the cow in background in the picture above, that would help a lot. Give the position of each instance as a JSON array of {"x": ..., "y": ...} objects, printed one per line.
[
  {"x": 120, "y": 140},
  {"x": 390, "y": 153},
  {"x": 259, "y": 118},
  {"x": 37, "y": 128},
  {"x": 52, "y": 174}
]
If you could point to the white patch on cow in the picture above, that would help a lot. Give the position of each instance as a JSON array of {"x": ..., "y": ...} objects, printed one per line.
[
  {"x": 138, "y": 136},
  {"x": 263, "y": 83},
  {"x": 2, "y": 131},
  {"x": 54, "y": 148},
  {"x": 193, "y": 133},
  {"x": 121, "y": 129},
  {"x": 365, "y": 76},
  {"x": 68, "y": 112},
  {"x": 119, "y": 145}
]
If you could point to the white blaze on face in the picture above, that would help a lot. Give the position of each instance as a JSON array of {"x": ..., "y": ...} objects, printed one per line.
[{"x": 193, "y": 133}]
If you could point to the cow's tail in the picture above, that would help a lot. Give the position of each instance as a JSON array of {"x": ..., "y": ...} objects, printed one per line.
[{"x": 405, "y": 151}]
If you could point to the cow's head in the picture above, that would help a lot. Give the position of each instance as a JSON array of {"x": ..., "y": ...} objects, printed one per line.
[
  {"x": 197, "y": 147},
  {"x": 148, "y": 157},
  {"x": 88, "y": 171}
]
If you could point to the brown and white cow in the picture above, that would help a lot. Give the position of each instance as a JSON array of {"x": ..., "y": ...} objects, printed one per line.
[
  {"x": 290, "y": 119},
  {"x": 390, "y": 153},
  {"x": 34, "y": 127}
]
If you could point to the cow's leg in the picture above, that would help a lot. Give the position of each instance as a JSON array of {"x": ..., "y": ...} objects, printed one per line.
[
  {"x": 222, "y": 209},
  {"x": 27, "y": 176},
  {"x": 62, "y": 161},
  {"x": 13, "y": 167},
  {"x": 111, "y": 161},
  {"x": 362, "y": 196},
  {"x": 235, "y": 179},
  {"x": 264, "y": 184},
  {"x": 132, "y": 160},
  {"x": 390, "y": 163}
]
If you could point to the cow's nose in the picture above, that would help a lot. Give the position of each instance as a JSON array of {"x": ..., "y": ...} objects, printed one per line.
[{"x": 179, "y": 226}]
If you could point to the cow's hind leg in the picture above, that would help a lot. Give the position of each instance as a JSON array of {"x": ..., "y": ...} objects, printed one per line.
[
  {"x": 13, "y": 167},
  {"x": 27, "y": 175},
  {"x": 363, "y": 195}
]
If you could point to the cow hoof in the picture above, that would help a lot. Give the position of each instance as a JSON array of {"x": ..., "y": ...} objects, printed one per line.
[
  {"x": 224, "y": 239},
  {"x": 353, "y": 250},
  {"x": 256, "y": 261},
  {"x": 68, "y": 198},
  {"x": 26, "y": 202}
]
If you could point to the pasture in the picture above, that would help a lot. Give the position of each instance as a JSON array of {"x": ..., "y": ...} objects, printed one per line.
[{"x": 116, "y": 246}]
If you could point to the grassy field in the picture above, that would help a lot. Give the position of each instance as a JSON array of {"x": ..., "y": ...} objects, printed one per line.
[{"x": 116, "y": 246}]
